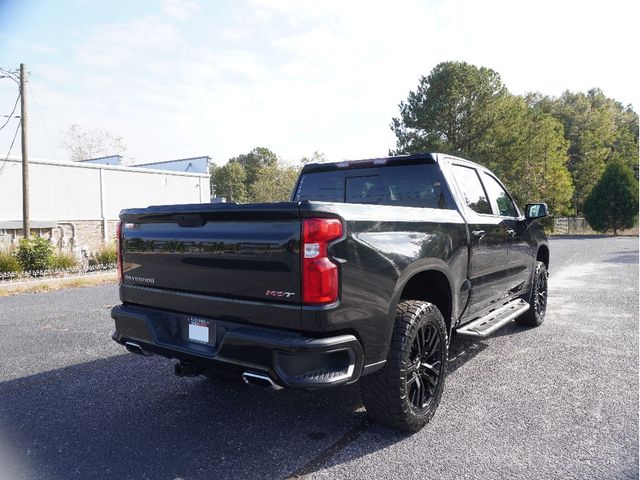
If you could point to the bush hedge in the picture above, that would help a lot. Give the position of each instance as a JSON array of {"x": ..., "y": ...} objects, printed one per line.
[{"x": 35, "y": 254}]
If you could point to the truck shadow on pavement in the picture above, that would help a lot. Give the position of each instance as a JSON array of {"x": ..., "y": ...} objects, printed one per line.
[
  {"x": 129, "y": 417},
  {"x": 624, "y": 256}
]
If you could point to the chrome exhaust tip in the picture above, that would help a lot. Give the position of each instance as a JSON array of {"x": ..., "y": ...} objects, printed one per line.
[
  {"x": 137, "y": 349},
  {"x": 261, "y": 380}
]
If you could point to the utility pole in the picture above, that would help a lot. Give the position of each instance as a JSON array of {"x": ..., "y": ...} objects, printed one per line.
[{"x": 25, "y": 153}]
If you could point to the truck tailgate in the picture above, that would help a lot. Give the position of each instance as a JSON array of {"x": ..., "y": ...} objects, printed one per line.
[{"x": 244, "y": 252}]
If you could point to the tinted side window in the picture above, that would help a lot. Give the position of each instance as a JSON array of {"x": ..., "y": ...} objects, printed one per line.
[
  {"x": 500, "y": 196},
  {"x": 471, "y": 188}
]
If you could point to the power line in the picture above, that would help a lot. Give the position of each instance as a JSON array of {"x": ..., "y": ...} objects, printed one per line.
[
  {"x": 74, "y": 91},
  {"x": 10, "y": 74},
  {"x": 4, "y": 162},
  {"x": 15, "y": 105},
  {"x": 41, "y": 117}
]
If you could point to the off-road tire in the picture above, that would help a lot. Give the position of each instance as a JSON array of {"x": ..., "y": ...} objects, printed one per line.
[
  {"x": 537, "y": 299},
  {"x": 389, "y": 394}
]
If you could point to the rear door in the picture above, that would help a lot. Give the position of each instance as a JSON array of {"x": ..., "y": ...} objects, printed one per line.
[
  {"x": 488, "y": 248},
  {"x": 519, "y": 255}
]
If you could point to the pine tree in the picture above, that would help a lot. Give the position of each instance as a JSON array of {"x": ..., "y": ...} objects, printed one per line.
[
  {"x": 613, "y": 201},
  {"x": 449, "y": 111}
]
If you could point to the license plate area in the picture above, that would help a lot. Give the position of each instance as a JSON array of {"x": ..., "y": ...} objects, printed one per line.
[{"x": 201, "y": 331}]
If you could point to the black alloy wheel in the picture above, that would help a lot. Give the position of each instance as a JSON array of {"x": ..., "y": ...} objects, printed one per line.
[
  {"x": 540, "y": 299},
  {"x": 425, "y": 368},
  {"x": 537, "y": 298},
  {"x": 405, "y": 393}
]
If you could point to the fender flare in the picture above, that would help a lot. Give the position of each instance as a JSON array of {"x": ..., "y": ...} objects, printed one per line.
[{"x": 420, "y": 266}]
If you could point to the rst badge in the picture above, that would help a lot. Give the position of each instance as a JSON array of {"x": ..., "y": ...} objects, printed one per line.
[{"x": 279, "y": 294}]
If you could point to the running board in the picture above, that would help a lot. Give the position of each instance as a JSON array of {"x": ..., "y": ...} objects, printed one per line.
[{"x": 485, "y": 326}]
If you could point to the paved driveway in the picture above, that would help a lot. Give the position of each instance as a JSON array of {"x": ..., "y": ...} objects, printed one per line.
[{"x": 559, "y": 401}]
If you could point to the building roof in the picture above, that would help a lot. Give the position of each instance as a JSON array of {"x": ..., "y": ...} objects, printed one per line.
[
  {"x": 176, "y": 160},
  {"x": 109, "y": 160},
  {"x": 17, "y": 224},
  {"x": 123, "y": 168},
  {"x": 192, "y": 164}
]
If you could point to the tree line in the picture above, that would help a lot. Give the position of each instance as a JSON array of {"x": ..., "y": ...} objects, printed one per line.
[
  {"x": 258, "y": 176},
  {"x": 545, "y": 148}
]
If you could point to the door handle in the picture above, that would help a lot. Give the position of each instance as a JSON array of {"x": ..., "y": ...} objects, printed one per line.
[
  {"x": 511, "y": 231},
  {"x": 478, "y": 233}
]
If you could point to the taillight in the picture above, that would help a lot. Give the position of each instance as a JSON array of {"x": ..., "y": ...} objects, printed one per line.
[
  {"x": 319, "y": 273},
  {"x": 119, "y": 248}
]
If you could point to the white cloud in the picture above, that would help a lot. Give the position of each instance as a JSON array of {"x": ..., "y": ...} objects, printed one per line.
[
  {"x": 303, "y": 76},
  {"x": 180, "y": 9},
  {"x": 111, "y": 46}
]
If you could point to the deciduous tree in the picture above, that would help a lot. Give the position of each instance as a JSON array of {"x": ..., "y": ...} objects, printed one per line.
[
  {"x": 81, "y": 143},
  {"x": 274, "y": 183},
  {"x": 316, "y": 157},
  {"x": 229, "y": 181},
  {"x": 253, "y": 161},
  {"x": 270, "y": 180}
]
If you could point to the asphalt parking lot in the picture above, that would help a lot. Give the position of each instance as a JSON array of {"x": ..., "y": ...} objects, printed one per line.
[{"x": 559, "y": 401}]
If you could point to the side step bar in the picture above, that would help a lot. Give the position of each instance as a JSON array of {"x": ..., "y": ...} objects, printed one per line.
[{"x": 485, "y": 326}]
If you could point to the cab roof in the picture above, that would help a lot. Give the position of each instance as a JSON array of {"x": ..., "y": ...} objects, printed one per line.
[{"x": 413, "y": 159}]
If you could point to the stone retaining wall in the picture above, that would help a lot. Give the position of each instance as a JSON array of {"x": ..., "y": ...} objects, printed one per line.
[{"x": 77, "y": 236}]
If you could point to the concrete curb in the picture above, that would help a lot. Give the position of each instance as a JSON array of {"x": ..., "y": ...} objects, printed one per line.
[{"x": 47, "y": 284}]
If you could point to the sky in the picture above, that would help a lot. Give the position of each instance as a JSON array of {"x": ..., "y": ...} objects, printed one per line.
[{"x": 184, "y": 78}]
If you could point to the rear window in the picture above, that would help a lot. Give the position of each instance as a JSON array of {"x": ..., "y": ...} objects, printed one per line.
[{"x": 405, "y": 186}]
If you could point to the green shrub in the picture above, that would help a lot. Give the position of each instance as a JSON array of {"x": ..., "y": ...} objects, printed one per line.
[
  {"x": 64, "y": 261},
  {"x": 107, "y": 255},
  {"x": 35, "y": 254},
  {"x": 8, "y": 262}
]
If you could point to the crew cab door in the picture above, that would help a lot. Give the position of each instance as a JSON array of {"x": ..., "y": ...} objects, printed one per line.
[
  {"x": 519, "y": 256},
  {"x": 488, "y": 242}
]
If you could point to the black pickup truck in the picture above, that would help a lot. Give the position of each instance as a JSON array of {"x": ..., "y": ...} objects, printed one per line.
[{"x": 365, "y": 275}]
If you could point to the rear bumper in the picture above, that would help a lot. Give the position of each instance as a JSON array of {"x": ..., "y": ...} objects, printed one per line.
[{"x": 288, "y": 358}]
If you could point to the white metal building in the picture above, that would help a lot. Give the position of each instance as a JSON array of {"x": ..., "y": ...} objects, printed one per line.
[{"x": 77, "y": 203}]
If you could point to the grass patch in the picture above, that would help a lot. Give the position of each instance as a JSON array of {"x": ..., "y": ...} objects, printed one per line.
[
  {"x": 58, "y": 284},
  {"x": 9, "y": 262},
  {"x": 65, "y": 261},
  {"x": 107, "y": 255}
]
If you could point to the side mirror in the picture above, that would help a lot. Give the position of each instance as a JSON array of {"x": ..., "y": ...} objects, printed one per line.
[{"x": 534, "y": 211}]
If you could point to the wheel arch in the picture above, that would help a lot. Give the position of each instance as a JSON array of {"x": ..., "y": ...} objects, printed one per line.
[
  {"x": 430, "y": 286},
  {"x": 430, "y": 283}
]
